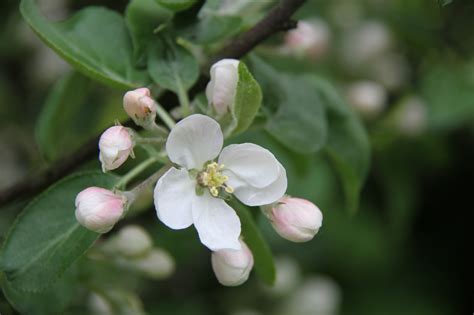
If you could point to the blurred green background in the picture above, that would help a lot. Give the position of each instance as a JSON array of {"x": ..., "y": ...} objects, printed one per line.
[{"x": 402, "y": 253}]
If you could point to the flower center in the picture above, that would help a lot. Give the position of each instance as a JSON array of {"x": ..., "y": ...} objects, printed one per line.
[{"x": 212, "y": 178}]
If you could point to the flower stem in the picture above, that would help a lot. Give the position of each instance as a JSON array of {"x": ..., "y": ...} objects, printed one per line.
[
  {"x": 167, "y": 119},
  {"x": 159, "y": 130},
  {"x": 150, "y": 180},
  {"x": 183, "y": 99},
  {"x": 135, "y": 171},
  {"x": 156, "y": 140}
]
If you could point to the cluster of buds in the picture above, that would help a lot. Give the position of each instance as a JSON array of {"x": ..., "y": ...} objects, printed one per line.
[
  {"x": 295, "y": 219},
  {"x": 99, "y": 209},
  {"x": 116, "y": 143},
  {"x": 194, "y": 189},
  {"x": 132, "y": 249}
]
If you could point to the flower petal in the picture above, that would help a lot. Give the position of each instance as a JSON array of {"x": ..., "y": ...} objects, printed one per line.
[
  {"x": 253, "y": 196},
  {"x": 194, "y": 140},
  {"x": 174, "y": 194},
  {"x": 251, "y": 163},
  {"x": 216, "y": 222}
]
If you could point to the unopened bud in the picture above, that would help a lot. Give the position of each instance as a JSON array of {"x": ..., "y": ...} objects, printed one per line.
[
  {"x": 232, "y": 267},
  {"x": 373, "y": 38},
  {"x": 98, "y": 209},
  {"x": 115, "y": 145},
  {"x": 115, "y": 301},
  {"x": 295, "y": 219},
  {"x": 362, "y": 45},
  {"x": 391, "y": 70},
  {"x": 367, "y": 98},
  {"x": 310, "y": 38},
  {"x": 288, "y": 277},
  {"x": 140, "y": 106},
  {"x": 317, "y": 295},
  {"x": 131, "y": 241},
  {"x": 222, "y": 88},
  {"x": 411, "y": 116},
  {"x": 157, "y": 264},
  {"x": 99, "y": 305}
]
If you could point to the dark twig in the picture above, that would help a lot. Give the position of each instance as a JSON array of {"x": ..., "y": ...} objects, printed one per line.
[
  {"x": 278, "y": 19},
  {"x": 35, "y": 183}
]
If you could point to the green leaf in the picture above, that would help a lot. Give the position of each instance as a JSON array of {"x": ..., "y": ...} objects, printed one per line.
[
  {"x": 46, "y": 238},
  {"x": 53, "y": 300},
  {"x": 449, "y": 92},
  {"x": 213, "y": 25},
  {"x": 69, "y": 119},
  {"x": 248, "y": 99},
  {"x": 177, "y": 5},
  {"x": 143, "y": 17},
  {"x": 348, "y": 145},
  {"x": 264, "y": 264},
  {"x": 95, "y": 41},
  {"x": 444, "y": 2},
  {"x": 172, "y": 66},
  {"x": 296, "y": 113}
]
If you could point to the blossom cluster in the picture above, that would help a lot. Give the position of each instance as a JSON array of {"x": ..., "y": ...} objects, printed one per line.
[{"x": 201, "y": 179}]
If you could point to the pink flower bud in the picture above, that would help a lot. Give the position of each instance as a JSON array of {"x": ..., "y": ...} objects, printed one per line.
[
  {"x": 232, "y": 267},
  {"x": 131, "y": 241},
  {"x": 139, "y": 105},
  {"x": 115, "y": 146},
  {"x": 362, "y": 44},
  {"x": 98, "y": 209},
  {"x": 310, "y": 38},
  {"x": 368, "y": 98},
  {"x": 410, "y": 117},
  {"x": 157, "y": 264},
  {"x": 295, "y": 219},
  {"x": 222, "y": 88}
]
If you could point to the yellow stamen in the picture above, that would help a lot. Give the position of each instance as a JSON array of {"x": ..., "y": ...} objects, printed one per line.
[{"x": 213, "y": 179}]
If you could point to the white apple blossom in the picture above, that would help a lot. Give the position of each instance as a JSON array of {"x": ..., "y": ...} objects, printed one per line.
[
  {"x": 222, "y": 88},
  {"x": 194, "y": 192}
]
